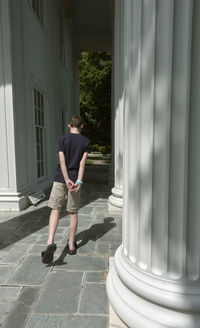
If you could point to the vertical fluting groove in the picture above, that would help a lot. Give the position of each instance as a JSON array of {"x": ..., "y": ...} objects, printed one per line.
[
  {"x": 193, "y": 210},
  {"x": 153, "y": 127},
  {"x": 121, "y": 83},
  {"x": 133, "y": 90},
  {"x": 116, "y": 83},
  {"x": 138, "y": 119},
  {"x": 131, "y": 75},
  {"x": 138, "y": 9},
  {"x": 120, "y": 97},
  {"x": 146, "y": 130},
  {"x": 179, "y": 137},
  {"x": 162, "y": 107},
  {"x": 189, "y": 9},
  {"x": 125, "y": 164}
]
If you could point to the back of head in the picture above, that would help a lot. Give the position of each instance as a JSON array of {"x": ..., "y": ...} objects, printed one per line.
[{"x": 75, "y": 121}]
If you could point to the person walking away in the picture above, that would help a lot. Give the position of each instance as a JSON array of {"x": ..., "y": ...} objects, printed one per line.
[{"x": 73, "y": 150}]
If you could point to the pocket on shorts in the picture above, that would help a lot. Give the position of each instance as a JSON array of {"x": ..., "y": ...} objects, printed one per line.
[{"x": 58, "y": 195}]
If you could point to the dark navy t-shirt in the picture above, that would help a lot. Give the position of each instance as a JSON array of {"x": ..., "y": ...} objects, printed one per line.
[{"x": 73, "y": 145}]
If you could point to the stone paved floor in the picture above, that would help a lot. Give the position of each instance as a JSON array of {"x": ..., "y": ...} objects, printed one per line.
[{"x": 70, "y": 292}]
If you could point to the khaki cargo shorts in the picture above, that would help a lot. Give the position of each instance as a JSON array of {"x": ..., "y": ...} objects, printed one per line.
[{"x": 59, "y": 194}]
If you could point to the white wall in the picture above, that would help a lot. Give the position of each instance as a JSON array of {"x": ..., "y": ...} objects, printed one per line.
[
  {"x": 35, "y": 62},
  {"x": 43, "y": 69}
]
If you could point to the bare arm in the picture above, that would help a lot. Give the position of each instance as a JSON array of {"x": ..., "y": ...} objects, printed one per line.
[
  {"x": 68, "y": 182},
  {"x": 82, "y": 166},
  {"x": 81, "y": 169}
]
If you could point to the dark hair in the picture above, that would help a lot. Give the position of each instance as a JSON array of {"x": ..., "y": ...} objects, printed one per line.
[{"x": 75, "y": 121}]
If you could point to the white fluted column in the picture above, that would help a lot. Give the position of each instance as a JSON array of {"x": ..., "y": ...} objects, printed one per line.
[
  {"x": 116, "y": 198},
  {"x": 10, "y": 197},
  {"x": 155, "y": 279}
]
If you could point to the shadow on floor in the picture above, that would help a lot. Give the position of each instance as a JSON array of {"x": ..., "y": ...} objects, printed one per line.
[
  {"x": 95, "y": 232},
  {"x": 21, "y": 226}
]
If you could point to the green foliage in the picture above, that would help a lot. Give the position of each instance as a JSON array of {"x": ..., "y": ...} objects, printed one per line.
[
  {"x": 95, "y": 147},
  {"x": 103, "y": 149},
  {"x": 95, "y": 96}
]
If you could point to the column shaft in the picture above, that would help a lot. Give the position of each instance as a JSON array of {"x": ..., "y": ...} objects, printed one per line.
[
  {"x": 180, "y": 99},
  {"x": 156, "y": 270},
  {"x": 193, "y": 209},
  {"x": 116, "y": 197}
]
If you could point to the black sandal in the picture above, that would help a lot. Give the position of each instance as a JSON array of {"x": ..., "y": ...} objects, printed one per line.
[
  {"x": 74, "y": 251},
  {"x": 47, "y": 255}
]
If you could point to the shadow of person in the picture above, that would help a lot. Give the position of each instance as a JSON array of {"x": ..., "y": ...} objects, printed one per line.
[{"x": 95, "y": 232}]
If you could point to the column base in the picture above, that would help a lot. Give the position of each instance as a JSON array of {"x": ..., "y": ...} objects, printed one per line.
[
  {"x": 116, "y": 199},
  {"x": 137, "y": 311},
  {"x": 13, "y": 202},
  {"x": 114, "y": 320}
]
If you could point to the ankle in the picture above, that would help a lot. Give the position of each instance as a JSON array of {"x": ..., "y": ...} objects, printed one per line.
[{"x": 71, "y": 244}]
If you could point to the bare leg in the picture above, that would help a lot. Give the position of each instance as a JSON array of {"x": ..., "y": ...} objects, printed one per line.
[
  {"x": 53, "y": 223},
  {"x": 73, "y": 228}
]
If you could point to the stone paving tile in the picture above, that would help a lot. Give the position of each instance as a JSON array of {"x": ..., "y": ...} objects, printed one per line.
[
  {"x": 65, "y": 321},
  {"x": 101, "y": 201},
  {"x": 16, "y": 254},
  {"x": 33, "y": 238},
  {"x": 9, "y": 225},
  {"x": 5, "y": 309},
  {"x": 31, "y": 272},
  {"x": 4, "y": 247},
  {"x": 6, "y": 216},
  {"x": 58, "y": 239},
  {"x": 81, "y": 230},
  {"x": 102, "y": 247},
  {"x": 99, "y": 205},
  {"x": 86, "y": 210},
  {"x": 64, "y": 222},
  {"x": 84, "y": 223},
  {"x": 113, "y": 247},
  {"x": 83, "y": 263},
  {"x": 60, "y": 230},
  {"x": 85, "y": 216},
  {"x": 96, "y": 277},
  {"x": 100, "y": 216},
  {"x": 61, "y": 293},
  {"x": 88, "y": 248},
  {"x": 95, "y": 231},
  {"x": 28, "y": 226},
  {"x": 5, "y": 272},
  {"x": 13, "y": 237},
  {"x": 37, "y": 250},
  {"x": 70, "y": 292},
  {"x": 3, "y": 254},
  {"x": 100, "y": 210},
  {"x": 112, "y": 237},
  {"x": 21, "y": 308},
  {"x": 94, "y": 299},
  {"x": 9, "y": 293},
  {"x": 3, "y": 238}
]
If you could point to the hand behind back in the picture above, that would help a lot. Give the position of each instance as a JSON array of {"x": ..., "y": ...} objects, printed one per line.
[{"x": 72, "y": 187}]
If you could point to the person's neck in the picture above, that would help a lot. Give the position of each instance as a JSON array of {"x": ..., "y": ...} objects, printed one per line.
[{"x": 74, "y": 130}]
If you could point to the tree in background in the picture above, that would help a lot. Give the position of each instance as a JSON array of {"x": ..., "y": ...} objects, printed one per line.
[{"x": 95, "y": 97}]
